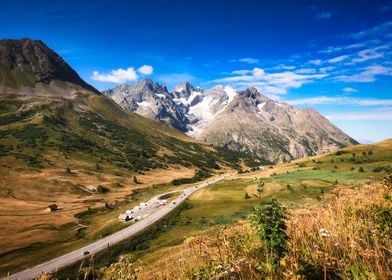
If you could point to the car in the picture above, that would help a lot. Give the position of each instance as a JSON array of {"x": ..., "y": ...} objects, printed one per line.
[
  {"x": 174, "y": 202},
  {"x": 86, "y": 253}
]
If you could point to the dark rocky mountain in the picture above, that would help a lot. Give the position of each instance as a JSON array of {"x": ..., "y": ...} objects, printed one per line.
[
  {"x": 150, "y": 100},
  {"x": 28, "y": 63}
]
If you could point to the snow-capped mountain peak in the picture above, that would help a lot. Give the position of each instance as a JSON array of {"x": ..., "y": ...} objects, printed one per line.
[{"x": 239, "y": 120}]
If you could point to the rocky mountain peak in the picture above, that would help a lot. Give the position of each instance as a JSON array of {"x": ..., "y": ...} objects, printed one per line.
[
  {"x": 31, "y": 61},
  {"x": 245, "y": 120},
  {"x": 184, "y": 90},
  {"x": 149, "y": 99}
]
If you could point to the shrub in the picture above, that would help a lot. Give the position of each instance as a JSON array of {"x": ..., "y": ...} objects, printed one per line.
[
  {"x": 102, "y": 189},
  {"x": 247, "y": 196},
  {"x": 269, "y": 220},
  {"x": 377, "y": 169},
  {"x": 200, "y": 175},
  {"x": 361, "y": 169}
]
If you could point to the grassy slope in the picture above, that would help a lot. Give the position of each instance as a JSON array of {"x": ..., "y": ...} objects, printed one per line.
[
  {"x": 102, "y": 145},
  {"x": 224, "y": 202},
  {"x": 346, "y": 236}
]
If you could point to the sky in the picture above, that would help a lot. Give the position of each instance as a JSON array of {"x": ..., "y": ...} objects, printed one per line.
[{"x": 333, "y": 56}]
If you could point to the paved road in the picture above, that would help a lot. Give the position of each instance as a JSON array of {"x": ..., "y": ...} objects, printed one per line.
[{"x": 110, "y": 240}]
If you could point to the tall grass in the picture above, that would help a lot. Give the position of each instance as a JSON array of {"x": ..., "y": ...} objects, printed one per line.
[{"x": 346, "y": 236}]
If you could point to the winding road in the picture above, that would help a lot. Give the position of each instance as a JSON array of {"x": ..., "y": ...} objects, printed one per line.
[{"x": 101, "y": 244}]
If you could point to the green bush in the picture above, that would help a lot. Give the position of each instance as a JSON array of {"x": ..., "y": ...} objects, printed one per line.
[
  {"x": 102, "y": 189},
  {"x": 269, "y": 220},
  {"x": 200, "y": 175}
]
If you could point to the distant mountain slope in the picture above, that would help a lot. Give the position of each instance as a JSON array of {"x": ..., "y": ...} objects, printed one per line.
[
  {"x": 244, "y": 121},
  {"x": 30, "y": 63},
  {"x": 272, "y": 130}
]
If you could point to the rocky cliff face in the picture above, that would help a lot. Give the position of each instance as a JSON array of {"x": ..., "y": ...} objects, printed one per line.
[
  {"x": 151, "y": 100},
  {"x": 244, "y": 121}
]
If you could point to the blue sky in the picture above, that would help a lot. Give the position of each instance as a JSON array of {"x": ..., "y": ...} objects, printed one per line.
[{"x": 334, "y": 56}]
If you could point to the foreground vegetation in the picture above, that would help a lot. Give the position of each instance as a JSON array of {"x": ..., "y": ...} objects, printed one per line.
[
  {"x": 326, "y": 196},
  {"x": 346, "y": 236}
]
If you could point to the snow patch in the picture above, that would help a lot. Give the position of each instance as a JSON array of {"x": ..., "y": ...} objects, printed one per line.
[
  {"x": 231, "y": 93},
  {"x": 144, "y": 104},
  {"x": 260, "y": 106},
  {"x": 179, "y": 90},
  {"x": 187, "y": 101}
]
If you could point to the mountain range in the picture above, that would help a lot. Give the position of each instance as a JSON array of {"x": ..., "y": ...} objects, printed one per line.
[
  {"x": 239, "y": 120},
  {"x": 245, "y": 121},
  {"x": 47, "y": 109}
]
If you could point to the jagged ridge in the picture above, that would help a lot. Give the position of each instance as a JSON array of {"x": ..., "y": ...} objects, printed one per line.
[{"x": 246, "y": 121}]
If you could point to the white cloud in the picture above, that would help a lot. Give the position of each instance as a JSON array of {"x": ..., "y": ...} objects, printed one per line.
[
  {"x": 367, "y": 75},
  {"x": 326, "y": 69},
  {"x": 249, "y": 60},
  {"x": 373, "y": 115},
  {"x": 338, "y": 100},
  {"x": 145, "y": 70},
  {"x": 324, "y": 15},
  {"x": 331, "y": 49},
  {"x": 241, "y": 72},
  {"x": 306, "y": 71},
  {"x": 118, "y": 76},
  {"x": 349, "y": 90},
  {"x": 338, "y": 59},
  {"x": 315, "y": 61},
  {"x": 277, "y": 83},
  {"x": 370, "y": 54},
  {"x": 258, "y": 72},
  {"x": 285, "y": 67},
  {"x": 379, "y": 30}
]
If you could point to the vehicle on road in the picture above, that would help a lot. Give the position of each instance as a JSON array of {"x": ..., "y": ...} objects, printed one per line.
[{"x": 86, "y": 253}]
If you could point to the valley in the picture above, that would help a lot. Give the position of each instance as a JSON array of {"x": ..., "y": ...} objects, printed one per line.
[
  {"x": 223, "y": 206},
  {"x": 73, "y": 159},
  {"x": 105, "y": 243}
]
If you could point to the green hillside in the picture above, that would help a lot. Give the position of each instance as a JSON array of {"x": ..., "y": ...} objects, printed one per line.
[{"x": 84, "y": 154}]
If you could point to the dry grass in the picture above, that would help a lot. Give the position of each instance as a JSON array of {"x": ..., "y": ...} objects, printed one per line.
[{"x": 346, "y": 236}]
